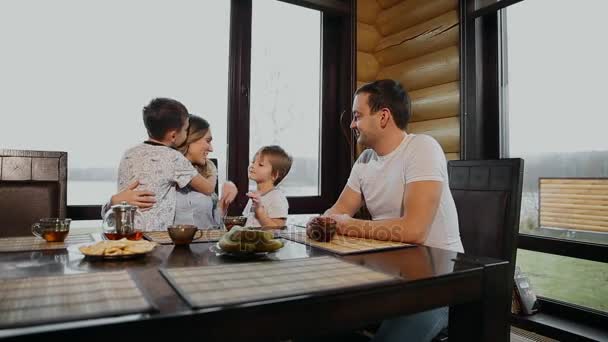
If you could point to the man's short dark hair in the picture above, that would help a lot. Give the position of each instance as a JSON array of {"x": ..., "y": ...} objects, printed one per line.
[
  {"x": 162, "y": 115},
  {"x": 388, "y": 94}
]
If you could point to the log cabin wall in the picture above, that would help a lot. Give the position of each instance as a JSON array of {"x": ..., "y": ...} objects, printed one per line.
[{"x": 415, "y": 42}]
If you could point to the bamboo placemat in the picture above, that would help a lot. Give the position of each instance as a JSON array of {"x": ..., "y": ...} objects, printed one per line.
[
  {"x": 249, "y": 282},
  {"x": 32, "y": 243},
  {"x": 39, "y": 300},
  {"x": 162, "y": 237},
  {"x": 343, "y": 245}
]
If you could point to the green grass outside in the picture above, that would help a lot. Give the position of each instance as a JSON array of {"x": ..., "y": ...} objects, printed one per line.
[{"x": 576, "y": 281}]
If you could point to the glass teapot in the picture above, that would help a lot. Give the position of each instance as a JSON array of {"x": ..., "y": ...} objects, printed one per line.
[{"x": 119, "y": 222}]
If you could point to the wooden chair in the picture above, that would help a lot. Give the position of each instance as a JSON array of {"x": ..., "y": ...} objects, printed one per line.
[
  {"x": 487, "y": 194},
  {"x": 32, "y": 186},
  {"x": 488, "y": 200}
]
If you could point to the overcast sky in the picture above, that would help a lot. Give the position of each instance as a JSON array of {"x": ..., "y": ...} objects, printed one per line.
[
  {"x": 558, "y": 67},
  {"x": 74, "y": 75}
]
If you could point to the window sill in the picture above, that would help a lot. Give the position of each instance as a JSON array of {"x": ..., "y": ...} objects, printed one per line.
[{"x": 559, "y": 328}]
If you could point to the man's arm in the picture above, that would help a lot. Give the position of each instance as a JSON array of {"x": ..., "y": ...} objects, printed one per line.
[
  {"x": 420, "y": 203},
  {"x": 348, "y": 203}
]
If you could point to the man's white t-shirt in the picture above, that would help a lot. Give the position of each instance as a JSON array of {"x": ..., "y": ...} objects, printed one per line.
[
  {"x": 382, "y": 180},
  {"x": 274, "y": 202}
]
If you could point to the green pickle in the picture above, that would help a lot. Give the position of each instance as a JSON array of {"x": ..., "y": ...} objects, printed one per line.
[{"x": 247, "y": 240}]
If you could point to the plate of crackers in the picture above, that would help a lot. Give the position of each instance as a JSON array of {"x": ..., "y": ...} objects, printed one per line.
[{"x": 117, "y": 249}]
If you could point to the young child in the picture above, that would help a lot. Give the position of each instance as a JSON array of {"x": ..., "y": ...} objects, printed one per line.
[
  {"x": 158, "y": 166},
  {"x": 268, "y": 206}
]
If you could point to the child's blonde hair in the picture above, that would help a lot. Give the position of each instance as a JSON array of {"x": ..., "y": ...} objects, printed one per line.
[{"x": 279, "y": 159}]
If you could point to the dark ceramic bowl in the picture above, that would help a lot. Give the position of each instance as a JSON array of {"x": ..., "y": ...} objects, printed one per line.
[
  {"x": 182, "y": 234},
  {"x": 231, "y": 221}
]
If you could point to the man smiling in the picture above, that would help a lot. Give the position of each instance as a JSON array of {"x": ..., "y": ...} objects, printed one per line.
[{"x": 402, "y": 179}]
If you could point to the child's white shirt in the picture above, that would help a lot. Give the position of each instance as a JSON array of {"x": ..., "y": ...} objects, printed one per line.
[{"x": 274, "y": 202}]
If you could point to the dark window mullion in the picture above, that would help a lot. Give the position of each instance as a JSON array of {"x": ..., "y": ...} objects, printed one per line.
[
  {"x": 567, "y": 248},
  {"x": 492, "y": 8},
  {"x": 238, "y": 99}
]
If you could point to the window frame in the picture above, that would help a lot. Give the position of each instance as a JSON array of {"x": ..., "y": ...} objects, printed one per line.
[
  {"x": 338, "y": 70},
  {"x": 483, "y": 51},
  {"x": 337, "y": 87}
]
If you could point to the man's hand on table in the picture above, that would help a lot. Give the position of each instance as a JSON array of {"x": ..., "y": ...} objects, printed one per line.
[{"x": 343, "y": 221}]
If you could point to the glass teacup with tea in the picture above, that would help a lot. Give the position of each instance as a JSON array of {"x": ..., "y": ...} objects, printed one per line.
[
  {"x": 52, "y": 229},
  {"x": 119, "y": 222}
]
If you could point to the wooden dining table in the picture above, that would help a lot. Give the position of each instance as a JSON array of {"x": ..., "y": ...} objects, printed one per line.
[{"x": 428, "y": 278}]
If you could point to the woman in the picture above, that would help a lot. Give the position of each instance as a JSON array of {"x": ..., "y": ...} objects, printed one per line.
[{"x": 192, "y": 207}]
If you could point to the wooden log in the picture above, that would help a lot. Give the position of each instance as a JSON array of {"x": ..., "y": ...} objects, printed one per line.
[
  {"x": 573, "y": 181},
  {"x": 388, "y": 3},
  {"x": 436, "y": 102},
  {"x": 556, "y": 206},
  {"x": 411, "y": 12},
  {"x": 568, "y": 197},
  {"x": 575, "y": 191},
  {"x": 574, "y": 185},
  {"x": 594, "y": 212},
  {"x": 367, "y": 11},
  {"x": 575, "y": 220},
  {"x": 367, "y": 37},
  {"x": 367, "y": 67},
  {"x": 544, "y": 201},
  {"x": 603, "y": 219},
  {"x": 586, "y": 227},
  {"x": 425, "y": 71},
  {"x": 360, "y": 83},
  {"x": 445, "y": 131},
  {"x": 452, "y": 156},
  {"x": 429, "y": 36}
]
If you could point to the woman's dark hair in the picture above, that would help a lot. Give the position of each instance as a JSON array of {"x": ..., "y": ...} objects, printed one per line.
[
  {"x": 162, "y": 115},
  {"x": 388, "y": 94}
]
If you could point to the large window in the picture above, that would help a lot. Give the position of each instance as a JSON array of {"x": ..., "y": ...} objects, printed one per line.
[
  {"x": 555, "y": 123},
  {"x": 76, "y": 75},
  {"x": 532, "y": 87},
  {"x": 285, "y": 88},
  {"x": 290, "y": 80}
]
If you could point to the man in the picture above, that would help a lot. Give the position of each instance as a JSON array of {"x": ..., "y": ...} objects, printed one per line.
[{"x": 402, "y": 179}]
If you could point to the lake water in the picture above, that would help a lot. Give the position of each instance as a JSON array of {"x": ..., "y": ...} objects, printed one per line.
[{"x": 98, "y": 192}]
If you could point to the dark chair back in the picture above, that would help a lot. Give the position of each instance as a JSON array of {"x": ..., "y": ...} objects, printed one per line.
[
  {"x": 488, "y": 200},
  {"x": 214, "y": 161},
  {"x": 32, "y": 186}
]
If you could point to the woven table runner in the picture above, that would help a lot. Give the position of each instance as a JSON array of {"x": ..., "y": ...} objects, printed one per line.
[
  {"x": 38, "y": 300},
  {"x": 210, "y": 286},
  {"x": 32, "y": 243},
  {"x": 343, "y": 245},
  {"x": 162, "y": 237}
]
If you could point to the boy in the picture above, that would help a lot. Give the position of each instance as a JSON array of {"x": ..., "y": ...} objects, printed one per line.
[
  {"x": 268, "y": 205},
  {"x": 158, "y": 166}
]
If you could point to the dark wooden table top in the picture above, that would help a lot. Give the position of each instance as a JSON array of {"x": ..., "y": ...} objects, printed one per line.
[{"x": 431, "y": 277}]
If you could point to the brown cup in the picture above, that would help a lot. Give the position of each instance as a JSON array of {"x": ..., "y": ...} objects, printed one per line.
[
  {"x": 52, "y": 229},
  {"x": 183, "y": 234},
  {"x": 321, "y": 229}
]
